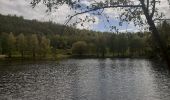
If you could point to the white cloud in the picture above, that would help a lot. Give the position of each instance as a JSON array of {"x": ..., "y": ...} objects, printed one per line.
[
  {"x": 23, "y": 8},
  {"x": 164, "y": 8}
]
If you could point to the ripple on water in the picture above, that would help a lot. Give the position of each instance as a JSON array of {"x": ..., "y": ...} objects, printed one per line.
[{"x": 85, "y": 79}]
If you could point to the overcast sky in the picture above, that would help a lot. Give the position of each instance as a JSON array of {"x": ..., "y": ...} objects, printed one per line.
[{"x": 23, "y": 8}]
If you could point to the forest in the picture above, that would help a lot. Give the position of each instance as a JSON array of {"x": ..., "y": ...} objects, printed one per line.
[{"x": 30, "y": 38}]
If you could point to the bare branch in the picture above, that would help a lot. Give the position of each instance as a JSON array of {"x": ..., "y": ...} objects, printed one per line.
[
  {"x": 162, "y": 19},
  {"x": 148, "y": 5},
  {"x": 98, "y": 8},
  {"x": 153, "y": 8}
]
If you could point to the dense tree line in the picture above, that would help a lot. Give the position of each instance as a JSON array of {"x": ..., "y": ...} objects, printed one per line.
[
  {"x": 24, "y": 45},
  {"x": 19, "y": 25},
  {"x": 30, "y": 38},
  {"x": 99, "y": 45}
]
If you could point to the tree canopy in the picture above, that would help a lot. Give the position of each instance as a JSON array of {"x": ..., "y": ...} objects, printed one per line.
[
  {"x": 132, "y": 11},
  {"x": 78, "y": 42}
]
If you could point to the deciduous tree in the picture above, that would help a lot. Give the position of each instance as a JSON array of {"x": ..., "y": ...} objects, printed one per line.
[
  {"x": 11, "y": 40},
  {"x": 34, "y": 43},
  {"x": 133, "y": 11},
  {"x": 44, "y": 46},
  {"x": 21, "y": 44},
  {"x": 80, "y": 48}
]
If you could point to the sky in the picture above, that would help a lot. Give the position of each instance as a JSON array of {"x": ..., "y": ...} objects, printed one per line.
[{"x": 23, "y": 8}]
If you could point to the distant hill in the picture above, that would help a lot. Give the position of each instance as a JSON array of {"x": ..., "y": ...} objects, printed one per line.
[{"x": 19, "y": 25}]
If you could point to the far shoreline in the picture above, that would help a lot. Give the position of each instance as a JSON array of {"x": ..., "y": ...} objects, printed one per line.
[{"x": 60, "y": 57}]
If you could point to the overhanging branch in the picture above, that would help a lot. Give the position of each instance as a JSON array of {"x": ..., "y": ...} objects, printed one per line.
[
  {"x": 153, "y": 8},
  {"x": 98, "y": 8},
  {"x": 162, "y": 19}
]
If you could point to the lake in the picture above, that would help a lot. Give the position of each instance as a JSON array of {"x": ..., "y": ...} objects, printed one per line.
[{"x": 84, "y": 79}]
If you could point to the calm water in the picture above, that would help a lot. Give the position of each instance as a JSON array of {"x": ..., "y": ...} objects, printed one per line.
[{"x": 85, "y": 79}]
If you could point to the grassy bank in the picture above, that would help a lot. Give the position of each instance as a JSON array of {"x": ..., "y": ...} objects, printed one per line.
[
  {"x": 28, "y": 57},
  {"x": 61, "y": 56}
]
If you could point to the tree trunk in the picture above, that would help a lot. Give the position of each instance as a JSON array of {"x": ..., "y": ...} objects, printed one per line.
[
  {"x": 103, "y": 54},
  {"x": 156, "y": 34},
  {"x": 22, "y": 54},
  {"x": 33, "y": 53},
  {"x": 9, "y": 54},
  {"x": 113, "y": 53},
  {"x": 97, "y": 53}
]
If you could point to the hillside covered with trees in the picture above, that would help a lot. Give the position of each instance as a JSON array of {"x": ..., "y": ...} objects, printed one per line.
[{"x": 31, "y": 38}]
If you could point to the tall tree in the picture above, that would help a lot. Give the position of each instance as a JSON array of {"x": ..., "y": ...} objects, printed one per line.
[
  {"x": 132, "y": 12},
  {"x": 80, "y": 48},
  {"x": 4, "y": 37},
  {"x": 92, "y": 48},
  {"x": 102, "y": 45},
  {"x": 0, "y": 46},
  {"x": 34, "y": 44},
  {"x": 11, "y": 44},
  {"x": 21, "y": 44},
  {"x": 123, "y": 44},
  {"x": 44, "y": 45}
]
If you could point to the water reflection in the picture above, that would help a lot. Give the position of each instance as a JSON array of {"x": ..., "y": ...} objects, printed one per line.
[{"x": 85, "y": 79}]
